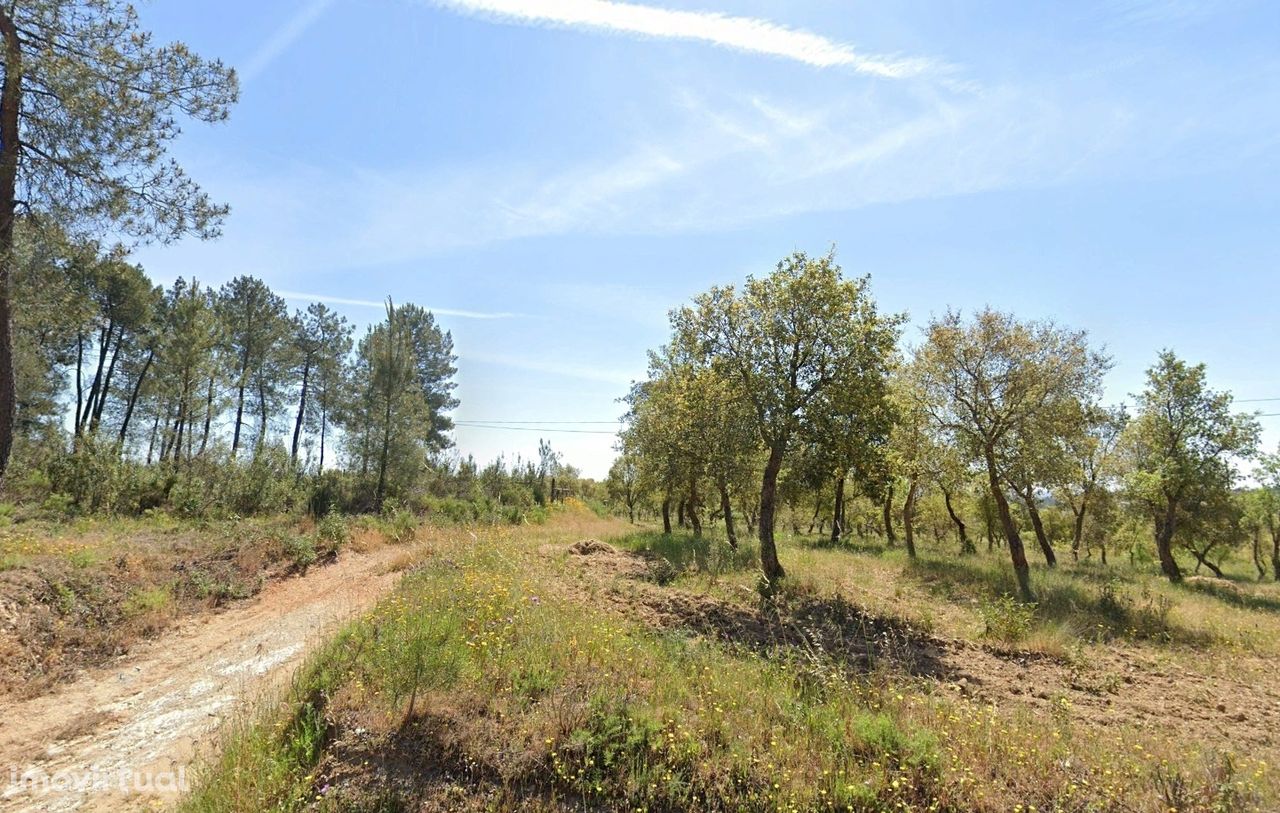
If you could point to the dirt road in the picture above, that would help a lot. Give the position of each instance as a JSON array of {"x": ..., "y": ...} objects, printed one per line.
[{"x": 125, "y": 736}]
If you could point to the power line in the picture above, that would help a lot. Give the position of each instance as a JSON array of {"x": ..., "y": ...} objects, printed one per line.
[{"x": 1254, "y": 400}]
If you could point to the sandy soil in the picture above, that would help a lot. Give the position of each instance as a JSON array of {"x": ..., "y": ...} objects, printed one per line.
[{"x": 125, "y": 736}]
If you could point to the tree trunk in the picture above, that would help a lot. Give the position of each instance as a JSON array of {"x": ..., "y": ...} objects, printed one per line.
[
  {"x": 891, "y": 538},
  {"x": 155, "y": 431},
  {"x": 235, "y": 435},
  {"x": 726, "y": 508},
  {"x": 104, "y": 347},
  {"x": 1018, "y": 554},
  {"x": 966, "y": 545},
  {"x": 133, "y": 400},
  {"x": 1275, "y": 552},
  {"x": 1257, "y": 553},
  {"x": 750, "y": 512},
  {"x": 324, "y": 425},
  {"x": 75, "y": 424},
  {"x": 768, "y": 516},
  {"x": 10, "y": 104},
  {"x": 1203, "y": 559},
  {"x": 694, "y": 519},
  {"x": 262, "y": 415},
  {"x": 837, "y": 510},
  {"x": 666, "y": 515},
  {"x": 1077, "y": 532},
  {"x": 106, "y": 385},
  {"x": 1165, "y": 527},
  {"x": 302, "y": 409},
  {"x": 680, "y": 509},
  {"x": 208, "y": 417},
  {"x": 1029, "y": 498},
  {"x": 381, "y": 493},
  {"x": 908, "y": 517}
]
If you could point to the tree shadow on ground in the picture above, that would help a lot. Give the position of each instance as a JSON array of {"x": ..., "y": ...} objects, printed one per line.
[
  {"x": 1233, "y": 593},
  {"x": 1092, "y": 609},
  {"x": 685, "y": 552},
  {"x": 862, "y": 547},
  {"x": 795, "y": 624}
]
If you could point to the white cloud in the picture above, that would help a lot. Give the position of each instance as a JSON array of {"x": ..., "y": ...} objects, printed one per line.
[
  {"x": 371, "y": 303},
  {"x": 747, "y": 34},
  {"x": 285, "y": 36}
]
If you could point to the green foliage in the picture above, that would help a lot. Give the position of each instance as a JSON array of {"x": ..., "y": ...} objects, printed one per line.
[
  {"x": 332, "y": 533},
  {"x": 301, "y": 551},
  {"x": 147, "y": 601},
  {"x": 1006, "y": 619},
  {"x": 1180, "y": 445}
]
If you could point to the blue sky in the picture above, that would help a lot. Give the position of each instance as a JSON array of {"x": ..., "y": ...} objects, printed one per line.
[{"x": 552, "y": 175}]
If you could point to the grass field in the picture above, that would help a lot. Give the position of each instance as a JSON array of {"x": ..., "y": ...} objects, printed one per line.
[{"x": 517, "y": 669}]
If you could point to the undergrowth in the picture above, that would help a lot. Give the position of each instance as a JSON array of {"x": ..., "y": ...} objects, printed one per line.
[{"x": 480, "y": 678}]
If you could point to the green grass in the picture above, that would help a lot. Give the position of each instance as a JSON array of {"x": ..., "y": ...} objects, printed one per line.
[{"x": 486, "y": 665}]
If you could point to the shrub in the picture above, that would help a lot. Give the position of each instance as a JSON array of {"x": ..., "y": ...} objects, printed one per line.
[
  {"x": 147, "y": 601},
  {"x": 301, "y": 552},
  {"x": 331, "y": 534},
  {"x": 1006, "y": 619}
]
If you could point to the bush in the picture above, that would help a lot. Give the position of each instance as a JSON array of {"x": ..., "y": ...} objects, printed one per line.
[
  {"x": 331, "y": 534},
  {"x": 301, "y": 552},
  {"x": 1006, "y": 619}
]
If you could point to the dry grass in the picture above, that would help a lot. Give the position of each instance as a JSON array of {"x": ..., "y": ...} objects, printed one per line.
[
  {"x": 507, "y": 673},
  {"x": 80, "y": 593}
]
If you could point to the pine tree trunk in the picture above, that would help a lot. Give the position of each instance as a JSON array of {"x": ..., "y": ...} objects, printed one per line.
[
  {"x": 208, "y": 417},
  {"x": 324, "y": 425},
  {"x": 10, "y": 105},
  {"x": 104, "y": 347},
  {"x": 302, "y": 410},
  {"x": 133, "y": 401},
  {"x": 235, "y": 435},
  {"x": 262, "y": 415},
  {"x": 106, "y": 385}
]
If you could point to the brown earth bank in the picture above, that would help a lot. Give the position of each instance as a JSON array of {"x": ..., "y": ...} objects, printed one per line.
[
  {"x": 145, "y": 716},
  {"x": 72, "y": 598}
]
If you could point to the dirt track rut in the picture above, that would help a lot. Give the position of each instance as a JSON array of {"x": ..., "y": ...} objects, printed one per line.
[{"x": 125, "y": 736}]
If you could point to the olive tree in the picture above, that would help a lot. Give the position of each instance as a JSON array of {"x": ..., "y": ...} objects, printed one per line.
[
  {"x": 788, "y": 339},
  {"x": 1181, "y": 443},
  {"x": 991, "y": 383}
]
